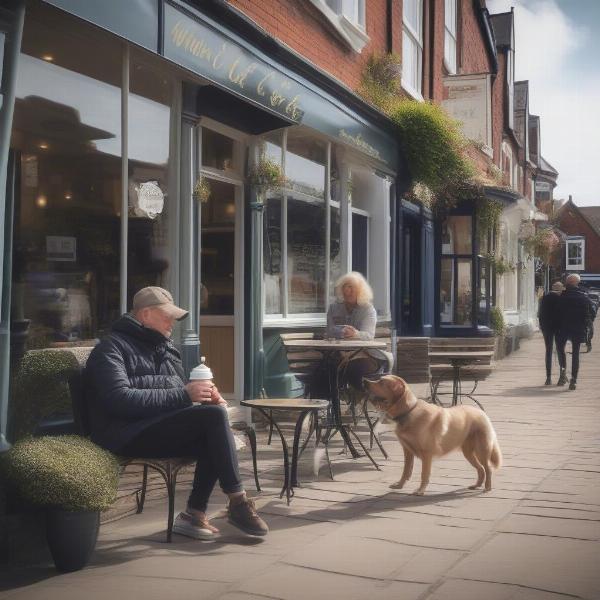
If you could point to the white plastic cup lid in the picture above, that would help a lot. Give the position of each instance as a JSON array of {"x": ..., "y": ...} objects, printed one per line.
[{"x": 201, "y": 372}]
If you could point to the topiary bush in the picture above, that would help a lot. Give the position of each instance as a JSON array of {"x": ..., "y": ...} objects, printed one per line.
[
  {"x": 68, "y": 471},
  {"x": 40, "y": 389},
  {"x": 497, "y": 321}
]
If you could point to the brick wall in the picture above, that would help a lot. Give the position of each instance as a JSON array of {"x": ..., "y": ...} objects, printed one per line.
[
  {"x": 572, "y": 222},
  {"x": 301, "y": 26}
]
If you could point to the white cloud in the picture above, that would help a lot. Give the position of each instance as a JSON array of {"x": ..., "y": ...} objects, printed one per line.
[{"x": 547, "y": 42}]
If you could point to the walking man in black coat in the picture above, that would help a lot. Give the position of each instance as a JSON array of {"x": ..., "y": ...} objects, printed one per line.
[
  {"x": 576, "y": 310},
  {"x": 141, "y": 406},
  {"x": 548, "y": 316}
]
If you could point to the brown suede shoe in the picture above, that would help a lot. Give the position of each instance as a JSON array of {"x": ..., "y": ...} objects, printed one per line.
[{"x": 244, "y": 516}]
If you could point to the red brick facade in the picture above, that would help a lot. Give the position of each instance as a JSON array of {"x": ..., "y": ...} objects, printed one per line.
[
  {"x": 572, "y": 222},
  {"x": 301, "y": 26}
]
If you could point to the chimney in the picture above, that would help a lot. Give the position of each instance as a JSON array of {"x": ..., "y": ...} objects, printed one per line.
[{"x": 570, "y": 198}]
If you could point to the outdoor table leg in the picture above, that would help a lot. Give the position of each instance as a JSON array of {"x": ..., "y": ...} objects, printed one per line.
[
  {"x": 335, "y": 404},
  {"x": 287, "y": 488},
  {"x": 455, "y": 383},
  {"x": 297, "y": 431}
]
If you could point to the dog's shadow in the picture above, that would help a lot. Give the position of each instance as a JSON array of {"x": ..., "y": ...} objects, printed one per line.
[{"x": 408, "y": 498}]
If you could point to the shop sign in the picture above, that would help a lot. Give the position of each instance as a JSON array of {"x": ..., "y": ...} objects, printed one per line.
[
  {"x": 61, "y": 248},
  {"x": 149, "y": 200},
  {"x": 192, "y": 40}
]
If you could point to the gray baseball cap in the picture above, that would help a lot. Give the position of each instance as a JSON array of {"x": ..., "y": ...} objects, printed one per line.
[{"x": 159, "y": 297}]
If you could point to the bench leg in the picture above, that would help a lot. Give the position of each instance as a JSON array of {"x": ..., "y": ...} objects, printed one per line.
[{"x": 140, "y": 496}]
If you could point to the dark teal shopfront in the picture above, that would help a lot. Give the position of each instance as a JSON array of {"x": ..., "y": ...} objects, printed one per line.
[{"x": 113, "y": 116}]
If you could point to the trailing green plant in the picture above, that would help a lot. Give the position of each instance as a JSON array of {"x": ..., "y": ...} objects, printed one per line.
[
  {"x": 434, "y": 147},
  {"x": 500, "y": 265},
  {"x": 69, "y": 472},
  {"x": 202, "y": 189},
  {"x": 267, "y": 175},
  {"x": 541, "y": 244},
  {"x": 497, "y": 323},
  {"x": 488, "y": 214},
  {"x": 380, "y": 81},
  {"x": 40, "y": 389}
]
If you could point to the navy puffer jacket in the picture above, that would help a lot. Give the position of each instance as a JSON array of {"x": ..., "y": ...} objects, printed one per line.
[
  {"x": 132, "y": 378},
  {"x": 576, "y": 312}
]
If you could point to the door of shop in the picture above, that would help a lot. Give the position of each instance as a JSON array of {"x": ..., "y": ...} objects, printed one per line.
[
  {"x": 221, "y": 264},
  {"x": 411, "y": 281}
]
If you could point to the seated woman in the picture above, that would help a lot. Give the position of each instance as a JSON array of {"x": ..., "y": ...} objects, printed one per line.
[{"x": 352, "y": 316}]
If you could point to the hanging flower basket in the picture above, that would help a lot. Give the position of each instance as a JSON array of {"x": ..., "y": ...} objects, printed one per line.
[
  {"x": 266, "y": 175},
  {"x": 541, "y": 244},
  {"x": 202, "y": 190}
]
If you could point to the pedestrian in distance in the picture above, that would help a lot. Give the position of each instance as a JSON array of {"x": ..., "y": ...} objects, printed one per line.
[
  {"x": 576, "y": 311},
  {"x": 549, "y": 320}
]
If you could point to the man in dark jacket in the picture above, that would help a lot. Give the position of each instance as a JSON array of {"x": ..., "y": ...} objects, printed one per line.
[
  {"x": 141, "y": 406},
  {"x": 575, "y": 310},
  {"x": 548, "y": 317}
]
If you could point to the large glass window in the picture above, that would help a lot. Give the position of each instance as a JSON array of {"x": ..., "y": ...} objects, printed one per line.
[
  {"x": 412, "y": 46},
  {"x": 67, "y": 140},
  {"x": 456, "y": 286},
  {"x": 152, "y": 201}
]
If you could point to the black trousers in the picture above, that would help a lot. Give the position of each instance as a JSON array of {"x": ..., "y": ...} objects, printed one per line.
[
  {"x": 201, "y": 431},
  {"x": 551, "y": 339},
  {"x": 561, "y": 342},
  {"x": 352, "y": 373}
]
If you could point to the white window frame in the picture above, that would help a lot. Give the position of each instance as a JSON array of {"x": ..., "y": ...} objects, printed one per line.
[
  {"x": 451, "y": 35},
  {"x": 575, "y": 241},
  {"x": 510, "y": 82},
  {"x": 350, "y": 25},
  {"x": 416, "y": 38}
]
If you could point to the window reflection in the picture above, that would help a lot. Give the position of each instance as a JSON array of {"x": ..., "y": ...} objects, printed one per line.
[
  {"x": 151, "y": 226},
  {"x": 67, "y": 139},
  {"x": 305, "y": 163},
  {"x": 306, "y": 256}
]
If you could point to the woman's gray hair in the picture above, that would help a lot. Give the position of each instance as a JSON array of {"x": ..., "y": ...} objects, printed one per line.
[{"x": 365, "y": 293}]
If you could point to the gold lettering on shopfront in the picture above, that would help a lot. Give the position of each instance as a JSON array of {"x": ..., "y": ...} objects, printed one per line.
[{"x": 274, "y": 89}]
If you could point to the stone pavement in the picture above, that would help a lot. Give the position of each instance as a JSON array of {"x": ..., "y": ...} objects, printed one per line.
[{"x": 535, "y": 536}]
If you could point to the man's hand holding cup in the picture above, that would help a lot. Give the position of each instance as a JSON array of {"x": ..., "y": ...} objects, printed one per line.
[{"x": 201, "y": 388}]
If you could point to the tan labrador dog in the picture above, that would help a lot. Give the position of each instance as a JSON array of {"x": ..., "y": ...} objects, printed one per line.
[{"x": 427, "y": 431}]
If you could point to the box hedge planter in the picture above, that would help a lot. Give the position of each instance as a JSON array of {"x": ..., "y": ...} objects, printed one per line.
[{"x": 73, "y": 480}]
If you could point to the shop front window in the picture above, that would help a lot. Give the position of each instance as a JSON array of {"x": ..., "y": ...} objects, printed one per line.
[
  {"x": 456, "y": 286},
  {"x": 152, "y": 202},
  {"x": 67, "y": 141}
]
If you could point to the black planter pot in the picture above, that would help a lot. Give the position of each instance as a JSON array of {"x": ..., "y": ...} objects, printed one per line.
[{"x": 71, "y": 537}]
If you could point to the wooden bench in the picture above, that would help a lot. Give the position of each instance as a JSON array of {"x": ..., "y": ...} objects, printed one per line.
[
  {"x": 441, "y": 368},
  {"x": 168, "y": 468}
]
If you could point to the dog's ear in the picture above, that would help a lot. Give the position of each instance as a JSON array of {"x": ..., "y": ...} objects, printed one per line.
[{"x": 396, "y": 385}]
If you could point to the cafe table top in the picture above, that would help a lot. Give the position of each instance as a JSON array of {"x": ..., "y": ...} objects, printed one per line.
[
  {"x": 287, "y": 403},
  {"x": 336, "y": 344}
]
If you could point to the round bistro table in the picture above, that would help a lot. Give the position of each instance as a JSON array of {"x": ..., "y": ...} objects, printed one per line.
[{"x": 304, "y": 407}]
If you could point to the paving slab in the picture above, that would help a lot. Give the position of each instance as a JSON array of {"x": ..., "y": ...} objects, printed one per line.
[{"x": 535, "y": 536}]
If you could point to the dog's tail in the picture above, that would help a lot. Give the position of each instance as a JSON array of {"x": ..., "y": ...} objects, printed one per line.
[{"x": 496, "y": 457}]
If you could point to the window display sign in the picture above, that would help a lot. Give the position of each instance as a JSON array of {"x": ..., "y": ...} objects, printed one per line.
[
  {"x": 61, "y": 248},
  {"x": 149, "y": 200}
]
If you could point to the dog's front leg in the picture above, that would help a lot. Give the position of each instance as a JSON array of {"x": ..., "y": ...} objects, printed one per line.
[
  {"x": 425, "y": 473},
  {"x": 409, "y": 461}
]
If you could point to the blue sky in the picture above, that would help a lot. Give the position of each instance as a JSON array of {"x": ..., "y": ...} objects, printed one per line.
[{"x": 558, "y": 51}]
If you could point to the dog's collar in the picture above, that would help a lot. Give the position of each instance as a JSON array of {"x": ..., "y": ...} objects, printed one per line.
[{"x": 400, "y": 418}]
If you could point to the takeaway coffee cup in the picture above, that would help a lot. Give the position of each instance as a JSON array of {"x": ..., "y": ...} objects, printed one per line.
[{"x": 201, "y": 372}]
